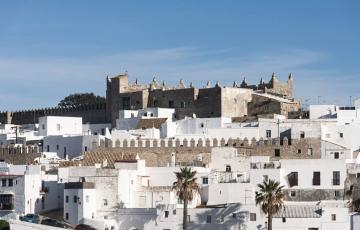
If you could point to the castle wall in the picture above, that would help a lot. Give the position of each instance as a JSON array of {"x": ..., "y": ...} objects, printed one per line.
[{"x": 90, "y": 113}]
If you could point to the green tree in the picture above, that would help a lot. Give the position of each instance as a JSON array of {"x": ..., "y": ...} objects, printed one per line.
[
  {"x": 4, "y": 225},
  {"x": 185, "y": 186},
  {"x": 271, "y": 198},
  {"x": 81, "y": 99}
]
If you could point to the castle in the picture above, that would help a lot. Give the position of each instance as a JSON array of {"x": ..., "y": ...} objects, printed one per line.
[{"x": 241, "y": 100}]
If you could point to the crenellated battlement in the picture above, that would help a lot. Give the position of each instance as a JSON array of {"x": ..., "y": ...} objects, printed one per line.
[{"x": 91, "y": 113}]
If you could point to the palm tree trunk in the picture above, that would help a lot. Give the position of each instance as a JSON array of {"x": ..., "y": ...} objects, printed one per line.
[
  {"x": 269, "y": 221},
  {"x": 185, "y": 220}
]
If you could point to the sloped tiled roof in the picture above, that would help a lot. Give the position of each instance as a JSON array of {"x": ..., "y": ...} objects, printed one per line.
[{"x": 300, "y": 211}]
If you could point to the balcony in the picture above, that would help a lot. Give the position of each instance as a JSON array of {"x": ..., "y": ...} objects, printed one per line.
[
  {"x": 232, "y": 177},
  {"x": 265, "y": 165}
]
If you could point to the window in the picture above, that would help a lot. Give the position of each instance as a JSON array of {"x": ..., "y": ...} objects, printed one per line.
[
  {"x": 67, "y": 199},
  {"x": 105, "y": 217},
  {"x": 3, "y": 182},
  {"x": 10, "y": 182},
  {"x": 252, "y": 216},
  {"x": 277, "y": 152},
  {"x": 171, "y": 104},
  {"x": 103, "y": 132},
  {"x": 58, "y": 127},
  {"x": 156, "y": 103},
  {"x": 299, "y": 151},
  {"x": 336, "y": 155},
  {"x": 75, "y": 199},
  {"x": 336, "y": 178},
  {"x": 283, "y": 219},
  {"x": 268, "y": 133},
  {"x": 336, "y": 193},
  {"x": 341, "y": 135},
  {"x": 105, "y": 202},
  {"x": 302, "y": 134},
  {"x": 151, "y": 114},
  {"x": 180, "y": 201},
  {"x": 208, "y": 219},
  {"x": 126, "y": 102},
  {"x": 292, "y": 193},
  {"x": 112, "y": 228},
  {"x": 66, "y": 216},
  {"x": 228, "y": 168},
  {"x": 174, "y": 212},
  {"x": 87, "y": 198},
  {"x": 316, "y": 178},
  {"x": 86, "y": 148},
  {"x": 57, "y": 147},
  {"x": 333, "y": 217},
  {"x": 310, "y": 151},
  {"x": 293, "y": 179},
  {"x": 43, "y": 126},
  {"x": 47, "y": 148},
  {"x": 202, "y": 125},
  {"x": 166, "y": 214},
  {"x": 183, "y": 104},
  {"x": 205, "y": 180},
  {"x": 234, "y": 215}
]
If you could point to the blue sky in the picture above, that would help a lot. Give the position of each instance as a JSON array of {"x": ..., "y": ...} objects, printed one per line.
[{"x": 49, "y": 49}]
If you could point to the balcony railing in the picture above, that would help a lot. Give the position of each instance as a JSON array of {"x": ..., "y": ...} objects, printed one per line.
[
  {"x": 232, "y": 177},
  {"x": 265, "y": 165}
]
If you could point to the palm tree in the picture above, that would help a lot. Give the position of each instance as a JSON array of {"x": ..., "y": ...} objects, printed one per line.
[
  {"x": 185, "y": 186},
  {"x": 270, "y": 196}
]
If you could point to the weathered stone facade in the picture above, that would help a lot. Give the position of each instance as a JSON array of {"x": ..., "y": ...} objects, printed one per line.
[
  {"x": 95, "y": 114},
  {"x": 314, "y": 194},
  {"x": 273, "y": 97},
  {"x": 235, "y": 101},
  {"x": 158, "y": 153}
]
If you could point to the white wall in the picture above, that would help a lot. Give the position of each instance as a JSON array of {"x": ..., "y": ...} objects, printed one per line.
[{"x": 53, "y": 125}]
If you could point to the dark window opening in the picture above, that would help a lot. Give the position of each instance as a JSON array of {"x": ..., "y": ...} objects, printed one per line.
[
  {"x": 316, "y": 178},
  {"x": 336, "y": 178},
  {"x": 293, "y": 179},
  {"x": 171, "y": 104},
  {"x": 277, "y": 152},
  {"x": 126, "y": 103}
]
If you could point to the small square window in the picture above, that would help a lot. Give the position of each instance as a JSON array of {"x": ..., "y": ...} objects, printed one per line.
[
  {"x": 234, "y": 215},
  {"x": 252, "y": 216},
  {"x": 336, "y": 193},
  {"x": 302, "y": 134},
  {"x": 292, "y": 193},
  {"x": 208, "y": 219},
  {"x": 268, "y": 133},
  {"x": 277, "y": 152},
  {"x": 341, "y": 135},
  {"x": 333, "y": 217},
  {"x": 283, "y": 219},
  {"x": 299, "y": 151},
  {"x": 205, "y": 180},
  {"x": 166, "y": 214}
]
